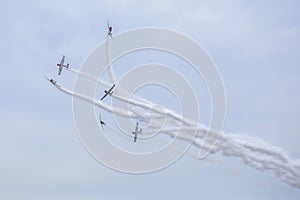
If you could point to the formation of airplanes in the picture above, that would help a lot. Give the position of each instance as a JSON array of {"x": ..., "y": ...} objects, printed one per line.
[{"x": 108, "y": 92}]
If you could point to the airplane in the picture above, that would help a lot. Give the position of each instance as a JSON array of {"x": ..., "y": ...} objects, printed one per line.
[
  {"x": 108, "y": 92},
  {"x": 137, "y": 131},
  {"x": 102, "y": 123},
  {"x": 51, "y": 80},
  {"x": 109, "y": 30},
  {"x": 61, "y": 65}
]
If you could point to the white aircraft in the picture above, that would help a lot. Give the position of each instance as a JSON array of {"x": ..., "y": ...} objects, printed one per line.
[
  {"x": 108, "y": 92},
  {"x": 109, "y": 33},
  {"x": 102, "y": 123},
  {"x": 51, "y": 81},
  {"x": 61, "y": 65},
  {"x": 137, "y": 131}
]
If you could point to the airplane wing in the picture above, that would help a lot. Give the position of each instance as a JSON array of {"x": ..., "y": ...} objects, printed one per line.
[
  {"x": 136, "y": 132},
  {"x": 47, "y": 78},
  {"x": 50, "y": 80},
  {"x": 53, "y": 83},
  {"x": 102, "y": 127},
  {"x": 104, "y": 96},
  {"x": 110, "y": 89},
  {"x": 108, "y": 92}
]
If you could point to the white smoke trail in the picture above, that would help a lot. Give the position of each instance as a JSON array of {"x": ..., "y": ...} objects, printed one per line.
[
  {"x": 100, "y": 104},
  {"x": 260, "y": 155},
  {"x": 120, "y": 94},
  {"x": 111, "y": 72},
  {"x": 88, "y": 76},
  {"x": 263, "y": 158},
  {"x": 254, "y": 152}
]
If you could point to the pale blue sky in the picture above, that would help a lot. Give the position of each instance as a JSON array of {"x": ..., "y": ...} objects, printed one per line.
[{"x": 254, "y": 44}]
